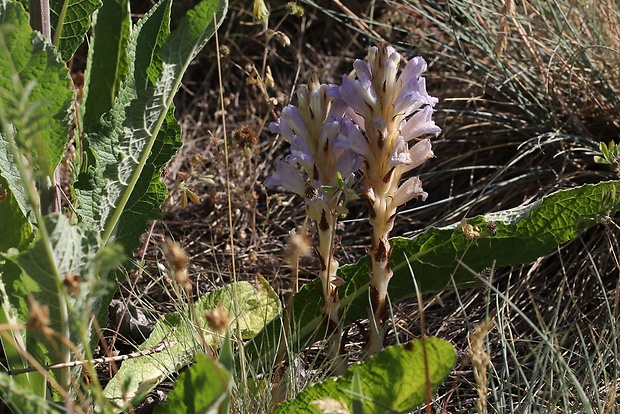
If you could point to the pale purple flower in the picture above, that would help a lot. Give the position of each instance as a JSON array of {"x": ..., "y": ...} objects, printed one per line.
[
  {"x": 287, "y": 176},
  {"x": 357, "y": 141},
  {"x": 348, "y": 163},
  {"x": 410, "y": 189},
  {"x": 419, "y": 124},
  {"x": 400, "y": 155},
  {"x": 320, "y": 144},
  {"x": 301, "y": 154},
  {"x": 359, "y": 95},
  {"x": 293, "y": 118},
  {"x": 419, "y": 154}
]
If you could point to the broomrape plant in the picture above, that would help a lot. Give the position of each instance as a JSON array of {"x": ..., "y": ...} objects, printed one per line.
[
  {"x": 314, "y": 130},
  {"x": 386, "y": 113},
  {"x": 369, "y": 122}
]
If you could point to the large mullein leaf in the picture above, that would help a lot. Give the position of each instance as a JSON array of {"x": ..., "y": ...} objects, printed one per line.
[
  {"x": 107, "y": 63},
  {"x": 70, "y": 20},
  {"x": 63, "y": 272},
  {"x": 120, "y": 192},
  {"x": 507, "y": 238},
  {"x": 396, "y": 380},
  {"x": 46, "y": 275},
  {"x": 249, "y": 307},
  {"x": 35, "y": 90}
]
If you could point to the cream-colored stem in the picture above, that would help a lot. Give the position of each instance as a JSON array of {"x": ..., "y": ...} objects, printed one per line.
[
  {"x": 382, "y": 217},
  {"x": 329, "y": 268}
]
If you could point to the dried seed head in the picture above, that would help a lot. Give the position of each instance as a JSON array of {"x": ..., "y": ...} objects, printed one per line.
[
  {"x": 245, "y": 137},
  {"x": 218, "y": 319},
  {"x": 72, "y": 283},
  {"x": 492, "y": 228},
  {"x": 299, "y": 245},
  {"x": 480, "y": 359},
  {"x": 470, "y": 231},
  {"x": 38, "y": 315},
  {"x": 196, "y": 159},
  {"x": 179, "y": 262}
]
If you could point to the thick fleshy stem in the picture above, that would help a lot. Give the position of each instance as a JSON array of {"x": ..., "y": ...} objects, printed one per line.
[
  {"x": 379, "y": 188},
  {"x": 387, "y": 111},
  {"x": 313, "y": 129},
  {"x": 329, "y": 268}
]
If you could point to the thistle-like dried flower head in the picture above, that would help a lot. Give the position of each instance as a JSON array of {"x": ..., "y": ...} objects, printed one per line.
[
  {"x": 38, "y": 315},
  {"x": 179, "y": 262},
  {"x": 218, "y": 319}
]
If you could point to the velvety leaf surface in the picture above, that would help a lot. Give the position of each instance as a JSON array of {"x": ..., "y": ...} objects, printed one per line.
[
  {"x": 107, "y": 63},
  {"x": 200, "y": 389},
  {"x": 249, "y": 306},
  {"x": 15, "y": 228},
  {"x": 73, "y": 250},
  {"x": 67, "y": 277},
  {"x": 521, "y": 235},
  {"x": 394, "y": 380},
  {"x": 121, "y": 191},
  {"x": 38, "y": 68},
  {"x": 70, "y": 21}
]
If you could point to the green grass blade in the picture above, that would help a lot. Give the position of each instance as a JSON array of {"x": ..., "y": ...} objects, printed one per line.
[
  {"x": 70, "y": 21},
  {"x": 393, "y": 381}
]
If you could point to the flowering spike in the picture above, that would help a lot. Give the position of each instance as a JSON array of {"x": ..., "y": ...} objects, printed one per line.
[{"x": 389, "y": 110}]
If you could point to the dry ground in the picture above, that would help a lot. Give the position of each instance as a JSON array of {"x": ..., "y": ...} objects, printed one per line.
[{"x": 482, "y": 165}]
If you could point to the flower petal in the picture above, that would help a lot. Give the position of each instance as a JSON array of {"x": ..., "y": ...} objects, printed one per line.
[
  {"x": 419, "y": 124},
  {"x": 301, "y": 154},
  {"x": 357, "y": 141},
  {"x": 292, "y": 116},
  {"x": 287, "y": 176},
  {"x": 410, "y": 189},
  {"x": 360, "y": 96},
  {"x": 400, "y": 155},
  {"x": 419, "y": 154}
]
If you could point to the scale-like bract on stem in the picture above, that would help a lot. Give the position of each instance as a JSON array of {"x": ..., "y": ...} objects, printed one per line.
[{"x": 387, "y": 112}]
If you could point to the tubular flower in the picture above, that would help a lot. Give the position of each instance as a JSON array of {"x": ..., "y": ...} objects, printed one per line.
[
  {"x": 389, "y": 110},
  {"x": 321, "y": 146}
]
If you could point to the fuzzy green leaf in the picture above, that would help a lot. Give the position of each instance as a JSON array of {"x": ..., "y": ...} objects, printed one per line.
[
  {"x": 522, "y": 235},
  {"x": 28, "y": 60},
  {"x": 39, "y": 274},
  {"x": 248, "y": 306},
  {"x": 22, "y": 400},
  {"x": 392, "y": 381},
  {"x": 75, "y": 250},
  {"x": 70, "y": 21},
  {"x": 201, "y": 389},
  {"x": 122, "y": 191},
  {"x": 107, "y": 63},
  {"x": 15, "y": 228}
]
